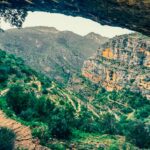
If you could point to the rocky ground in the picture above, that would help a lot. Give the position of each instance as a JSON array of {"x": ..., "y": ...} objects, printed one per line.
[{"x": 23, "y": 134}]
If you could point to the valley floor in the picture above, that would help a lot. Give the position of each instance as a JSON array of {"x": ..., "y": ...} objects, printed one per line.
[{"x": 42, "y": 112}]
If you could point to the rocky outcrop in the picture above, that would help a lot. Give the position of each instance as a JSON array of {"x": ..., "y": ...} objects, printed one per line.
[
  {"x": 131, "y": 14},
  {"x": 123, "y": 62}
]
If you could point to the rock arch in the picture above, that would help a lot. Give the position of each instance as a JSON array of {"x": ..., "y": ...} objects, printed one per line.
[{"x": 131, "y": 14}]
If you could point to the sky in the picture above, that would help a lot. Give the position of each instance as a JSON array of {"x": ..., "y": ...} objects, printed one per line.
[{"x": 62, "y": 22}]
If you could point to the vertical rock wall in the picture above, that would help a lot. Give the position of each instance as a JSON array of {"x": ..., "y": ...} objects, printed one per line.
[{"x": 123, "y": 62}]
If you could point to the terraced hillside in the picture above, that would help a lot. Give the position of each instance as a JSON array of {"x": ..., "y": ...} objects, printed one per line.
[{"x": 60, "y": 118}]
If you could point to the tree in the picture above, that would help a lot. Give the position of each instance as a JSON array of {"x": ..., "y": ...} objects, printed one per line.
[
  {"x": 60, "y": 127},
  {"x": 15, "y": 17}
]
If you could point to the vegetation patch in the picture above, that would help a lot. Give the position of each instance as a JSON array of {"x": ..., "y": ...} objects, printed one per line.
[{"x": 61, "y": 119}]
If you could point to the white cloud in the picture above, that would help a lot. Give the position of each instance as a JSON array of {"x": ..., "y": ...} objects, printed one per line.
[{"x": 77, "y": 25}]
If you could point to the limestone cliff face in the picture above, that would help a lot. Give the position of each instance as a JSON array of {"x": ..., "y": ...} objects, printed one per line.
[{"x": 122, "y": 62}]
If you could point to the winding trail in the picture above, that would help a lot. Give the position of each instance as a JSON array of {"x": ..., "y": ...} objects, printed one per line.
[
  {"x": 130, "y": 115},
  {"x": 70, "y": 100},
  {"x": 79, "y": 107},
  {"x": 118, "y": 102},
  {"x": 24, "y": 138}
]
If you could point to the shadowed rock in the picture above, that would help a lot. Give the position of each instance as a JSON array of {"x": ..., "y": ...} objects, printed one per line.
[{"x": 131, "y": 14}]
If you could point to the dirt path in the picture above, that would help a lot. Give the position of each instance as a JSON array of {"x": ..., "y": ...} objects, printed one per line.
[
  {"x": 4, "y": 92},
  {"x": 119, "y": 103},
  {"x": 79, "y": 107},
  {"x": 111, "y": 112},
  {"x": 70, "y": 100},
  {"x": 92, "y": 109},
  {"x": 23, "y": 134},
  {"x": 52, "y": 87}
]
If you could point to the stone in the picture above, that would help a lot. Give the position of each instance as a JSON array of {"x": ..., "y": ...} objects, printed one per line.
[
  {"x": 122, "y": 13},
  {"x": 122, "y": 62}
]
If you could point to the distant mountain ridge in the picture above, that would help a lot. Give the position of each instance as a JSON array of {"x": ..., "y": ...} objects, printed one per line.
[
  {"x": 56, "y": 53},
  {"x": 96, "y": 37}
]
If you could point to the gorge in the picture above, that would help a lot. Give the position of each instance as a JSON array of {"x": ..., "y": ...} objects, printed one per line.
[{"x": 60, "y": 90}]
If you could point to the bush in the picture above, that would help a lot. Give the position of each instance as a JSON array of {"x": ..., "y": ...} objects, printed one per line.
[
  {"x": 7, "y": 139},
  {"x": 139, "y": 134},
  {"x": 126, "y": 110},
  {"x": 60, "y": 128},
  {"x": 28, "y": 114},
  {"x": 136, "y": 100},
  {"x": 2, "y": 54},
  {"x": 144, "y": 112},
  {"x": 57, "y": 146},
  {"x": 86, "y": 122},
  {"x": 61, "y": 122},
  {"x": 109, "y": 124},
  {"x": 43, "y": 107},
  {"x": 19, "y": 100},
  {"x": 4, "y": 71},
  {"x": 42, "y": 133},
  {"x": 114, "y": 146}
]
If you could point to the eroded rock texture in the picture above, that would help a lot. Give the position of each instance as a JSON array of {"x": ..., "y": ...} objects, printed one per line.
[
  {"x": 131, "y": 14},
  {"x": 123, "y": 62}
]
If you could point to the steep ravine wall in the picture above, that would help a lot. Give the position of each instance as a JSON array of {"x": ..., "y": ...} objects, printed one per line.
[{"x": 123, "y": 62}]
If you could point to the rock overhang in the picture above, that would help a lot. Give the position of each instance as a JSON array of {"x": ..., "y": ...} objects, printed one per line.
[{"x": 131, "y": 14}]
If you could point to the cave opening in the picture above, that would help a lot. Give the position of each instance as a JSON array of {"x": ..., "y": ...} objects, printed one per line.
[{"x": 55, "y": 82}]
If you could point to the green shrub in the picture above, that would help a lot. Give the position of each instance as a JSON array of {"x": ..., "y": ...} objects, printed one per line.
[
  {"x": 42, "y": 133},
  {"x": 7, "y": 139},
  {"x": 138, "y": 133},
  {"x": 43, "y": 107},
  {"x": 61, "y": 122},
  {"x": 126, "y": 110},
  {"x": 57, "y": 147},
  {"x": 28, "y": 114},
  {"x": 109, "y": 124},
  {"x": 144, "y": 112},
  {"x": 114, "y": 146},
  {"x": 2, "y": 54},
  {"x": 87, "y": 123},
  {"x": 4, "y": 71},
  {"x": 60, "y": 128},
  {"x": 19, "y": 100},
  {"x": 132, "y": 80}
]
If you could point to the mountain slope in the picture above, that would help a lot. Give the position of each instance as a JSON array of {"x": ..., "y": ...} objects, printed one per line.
[
  {"x": 62, "y": 119},
  {"x": 34, "y": 100},
  {"x": 55, "y": 53}
]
